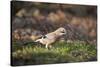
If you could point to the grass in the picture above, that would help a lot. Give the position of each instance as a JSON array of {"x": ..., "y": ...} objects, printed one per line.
[{"x": 62, "y": 52}]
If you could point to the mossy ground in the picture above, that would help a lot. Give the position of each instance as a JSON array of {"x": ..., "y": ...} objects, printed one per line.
[{"x": 62, "y": 52}]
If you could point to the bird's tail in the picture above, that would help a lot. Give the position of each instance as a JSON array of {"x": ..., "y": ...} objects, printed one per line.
[{"x": 31, "y": 42}]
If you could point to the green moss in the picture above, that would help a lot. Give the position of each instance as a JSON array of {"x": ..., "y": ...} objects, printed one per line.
[{"x": 61, "y": 52}]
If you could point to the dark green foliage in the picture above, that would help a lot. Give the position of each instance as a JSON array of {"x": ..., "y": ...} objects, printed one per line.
[{"x": 62, "y": 52}]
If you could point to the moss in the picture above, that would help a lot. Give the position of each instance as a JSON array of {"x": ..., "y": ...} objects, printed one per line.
[{"x": 62, "y": 52}]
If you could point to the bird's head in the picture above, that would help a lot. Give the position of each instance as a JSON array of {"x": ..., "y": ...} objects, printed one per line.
[{"x": 61, "y": 31}]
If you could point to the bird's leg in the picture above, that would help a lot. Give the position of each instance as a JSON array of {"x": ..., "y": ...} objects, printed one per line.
[
  {"x": 50, "y": 46},
  {"x": 46, "y": 46}
]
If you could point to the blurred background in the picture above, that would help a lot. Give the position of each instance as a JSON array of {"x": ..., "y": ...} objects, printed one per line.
[{"x": 31, "y": 20}]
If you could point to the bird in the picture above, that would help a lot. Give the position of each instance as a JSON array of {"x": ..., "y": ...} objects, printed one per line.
[{"x": 52, "y": 37}]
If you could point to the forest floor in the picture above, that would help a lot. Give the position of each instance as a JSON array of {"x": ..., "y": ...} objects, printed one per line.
[{"x": 62, "y": 52}]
